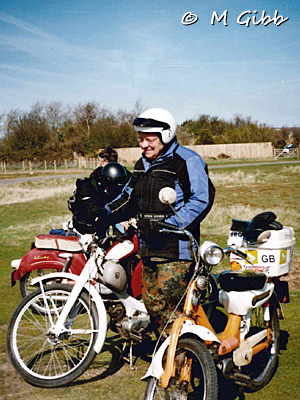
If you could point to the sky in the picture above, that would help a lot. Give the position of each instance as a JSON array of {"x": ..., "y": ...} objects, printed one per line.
[{"x": 116, "y": 53}]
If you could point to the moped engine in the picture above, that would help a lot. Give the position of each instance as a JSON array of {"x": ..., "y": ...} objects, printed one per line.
[{"x": 128, "y": 328}]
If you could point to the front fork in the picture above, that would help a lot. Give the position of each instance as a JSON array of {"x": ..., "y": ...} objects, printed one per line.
[
  {"x": 194, "y": 315},
  {"x": 170, "y": 363},
  {"x": 60, "y": 326}
]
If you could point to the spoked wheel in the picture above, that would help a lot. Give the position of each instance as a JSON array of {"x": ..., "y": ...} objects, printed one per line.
[
  {"x": 25, "y": 286},
  {"x": 195, "y": 377},
  {"x": 264, "y": 363},
  {"x": 45, "y": 359}
]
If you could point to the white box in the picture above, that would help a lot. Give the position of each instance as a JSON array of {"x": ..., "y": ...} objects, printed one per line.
[{"x": 273, "y": 257}]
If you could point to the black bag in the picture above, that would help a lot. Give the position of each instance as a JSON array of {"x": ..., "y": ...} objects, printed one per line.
[{"x": 85, "y": 205}]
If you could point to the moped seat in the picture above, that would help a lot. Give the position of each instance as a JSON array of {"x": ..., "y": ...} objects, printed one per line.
[
  {"x": 242, "y": 280},
  {"x": 58, "y": 242}
]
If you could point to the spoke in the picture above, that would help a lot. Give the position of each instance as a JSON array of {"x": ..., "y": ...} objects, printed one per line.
[
  {"x": 158, "y": 391},
  {"x": 32, "y": 319},
  {"x": 59, "y": 363},
  {"x": 54, "y": 307},
  {"x": 28, "y": 338},
  {"x": 74, "y": 349},
  {"x": 68, "y": 357},
  {"x": 39, "y": 357},
  {"x": 24, "y": 346}
]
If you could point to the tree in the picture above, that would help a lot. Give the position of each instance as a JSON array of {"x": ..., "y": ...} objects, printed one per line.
[
  {"x": 26, "y": 134},
  {"x": 86, "y": 116}
]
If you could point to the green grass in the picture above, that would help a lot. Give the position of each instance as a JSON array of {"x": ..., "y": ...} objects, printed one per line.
[
  {"x": 240, "y": 194},
  {"x": 249, "y": 160}
]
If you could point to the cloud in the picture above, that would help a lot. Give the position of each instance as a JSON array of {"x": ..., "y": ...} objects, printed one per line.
[
  {"x": 25, "y": 26},
  {"x": 47, "y": 46}
]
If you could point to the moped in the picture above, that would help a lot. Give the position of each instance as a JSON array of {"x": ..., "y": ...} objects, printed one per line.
[
  {"x": 53, "y": 253},
  {"x": 187, "y": 364},
  {"x": 56, "y": 331}
]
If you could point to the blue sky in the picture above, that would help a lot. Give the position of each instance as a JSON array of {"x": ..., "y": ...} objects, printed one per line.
[{"x": 118, "y": 52}]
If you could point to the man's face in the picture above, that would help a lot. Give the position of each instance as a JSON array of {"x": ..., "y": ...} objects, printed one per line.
[
  {"x": 151, "y": 145},
  {"x": 102, "y": 162}
]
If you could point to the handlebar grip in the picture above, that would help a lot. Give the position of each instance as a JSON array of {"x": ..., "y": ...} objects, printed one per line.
[
  {"x": 166, "y": 225},
  {"x": 241, "y": 254}
]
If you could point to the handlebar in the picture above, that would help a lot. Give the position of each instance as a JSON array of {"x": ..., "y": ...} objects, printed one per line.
[
  {"x": 239, "y": 253},
  {"x": 168, "y": 226}
]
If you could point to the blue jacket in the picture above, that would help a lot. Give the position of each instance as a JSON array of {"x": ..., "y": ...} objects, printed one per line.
[{"x": 186, "y": 172}]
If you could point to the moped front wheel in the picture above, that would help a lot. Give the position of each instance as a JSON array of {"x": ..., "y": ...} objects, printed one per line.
[
  {"x": 42, "y": 358},
  {"x": 198, "y": 381}
]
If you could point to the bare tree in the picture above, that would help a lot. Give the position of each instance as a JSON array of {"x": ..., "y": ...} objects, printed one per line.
[{"x": 86, "y": 115}]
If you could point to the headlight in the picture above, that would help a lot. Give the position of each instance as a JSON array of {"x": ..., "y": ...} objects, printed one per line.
[{"x": 211, "y": 253}]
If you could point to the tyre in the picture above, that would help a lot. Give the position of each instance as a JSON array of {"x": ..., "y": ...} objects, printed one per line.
[
  {"x": 203, "y": 376},
  {"x": 41, "y": 358},
  {"x": 264, "y": 363},
  {"x": 25, "y": 286}
]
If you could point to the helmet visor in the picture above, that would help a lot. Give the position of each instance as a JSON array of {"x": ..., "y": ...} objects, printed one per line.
[{"x": 150, "y": 123}]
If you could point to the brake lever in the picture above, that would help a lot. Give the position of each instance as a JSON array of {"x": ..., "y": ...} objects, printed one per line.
[{"x": 239, "y": 253}]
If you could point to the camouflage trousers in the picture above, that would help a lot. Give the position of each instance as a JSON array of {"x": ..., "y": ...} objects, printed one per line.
[{"x": 163, "y": 284}]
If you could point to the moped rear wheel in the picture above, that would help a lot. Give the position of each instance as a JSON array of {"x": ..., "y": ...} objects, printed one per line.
[
  {"x": 41, "y": 358},
  {"x": 263, "y": 364},
  {"x": 25, "y": 287},
  {"x": 203, "y": 383}
]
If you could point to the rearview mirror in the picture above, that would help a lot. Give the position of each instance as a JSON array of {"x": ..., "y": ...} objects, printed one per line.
[{"x": 167, "y": 195}]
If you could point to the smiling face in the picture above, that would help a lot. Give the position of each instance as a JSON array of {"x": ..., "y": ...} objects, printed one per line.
[{"x": 151, "y": 145}]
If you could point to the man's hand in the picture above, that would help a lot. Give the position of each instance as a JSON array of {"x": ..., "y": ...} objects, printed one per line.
[{"x": 103, "y": 220}]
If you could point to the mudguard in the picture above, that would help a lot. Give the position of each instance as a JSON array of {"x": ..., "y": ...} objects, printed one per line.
[
  {"x": 156, "y": 369},
  {"x": 37, "y": 259},
  {"x": 102, "y": 317}
]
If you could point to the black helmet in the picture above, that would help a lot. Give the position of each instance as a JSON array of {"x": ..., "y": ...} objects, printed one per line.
[{"x": 114, "y": 172}]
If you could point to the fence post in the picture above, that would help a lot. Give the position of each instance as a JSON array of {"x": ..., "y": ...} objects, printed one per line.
[
  {"x": 54, "y": 165},
  {"x": 23, "y": 165},
  {"x": 30, "y": 167},
  {"x": 4, "y": 167},
  {"x": 45, "y": 165}
]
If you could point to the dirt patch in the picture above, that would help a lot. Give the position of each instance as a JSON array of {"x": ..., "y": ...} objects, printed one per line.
[{"x": 293, "y": 278}]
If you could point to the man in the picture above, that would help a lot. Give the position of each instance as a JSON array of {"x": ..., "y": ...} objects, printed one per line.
[
  {"x": 103, "y": 185},
  {"x": 106, "y": 156},
  {"x": 166, "y": 257}
]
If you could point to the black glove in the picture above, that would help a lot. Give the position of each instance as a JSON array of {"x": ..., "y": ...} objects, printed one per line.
[{"x": 102, "y": 221}]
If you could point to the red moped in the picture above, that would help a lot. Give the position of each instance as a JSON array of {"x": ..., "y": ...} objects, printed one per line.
[{"x": 52, "y": 253}]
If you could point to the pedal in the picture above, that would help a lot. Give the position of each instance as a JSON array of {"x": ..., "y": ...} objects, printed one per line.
[{"x": 240, "y": 378}]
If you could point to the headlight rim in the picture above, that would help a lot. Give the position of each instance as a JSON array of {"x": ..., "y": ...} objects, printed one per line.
[{"x": 208, "y": 249}]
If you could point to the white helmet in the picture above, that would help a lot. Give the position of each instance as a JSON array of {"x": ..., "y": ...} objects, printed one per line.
[{"x": 157, "y": 120}]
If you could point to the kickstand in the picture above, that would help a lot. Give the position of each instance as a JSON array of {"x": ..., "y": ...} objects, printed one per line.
[{"x": 130, "y": 358}]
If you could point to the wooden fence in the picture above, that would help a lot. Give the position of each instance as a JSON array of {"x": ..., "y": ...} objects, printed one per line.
[
  {"x": 131, "y": 155},
  {"x": 29, "y": 166},
  {"x": 291, "y": 154},
  {"x": 212, "y": 151}
]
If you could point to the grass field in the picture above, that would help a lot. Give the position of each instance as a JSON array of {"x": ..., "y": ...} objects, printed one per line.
[{"x": 27, "y": 209}]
